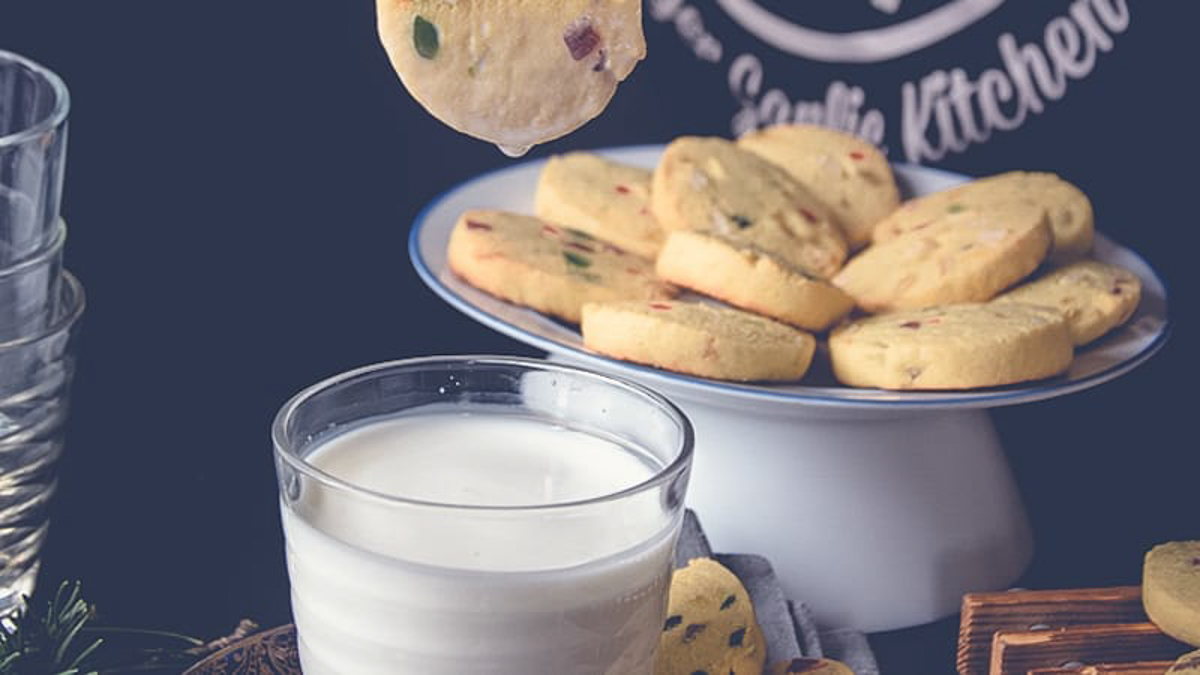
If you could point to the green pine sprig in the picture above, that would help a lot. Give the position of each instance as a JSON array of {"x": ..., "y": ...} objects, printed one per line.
[{"x": 33, "y": 642}]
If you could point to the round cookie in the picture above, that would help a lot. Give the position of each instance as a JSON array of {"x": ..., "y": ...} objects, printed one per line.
[
  {"x": 698, "y": 339},
  {"x": 1171, "y": 589},
  {"x": 712, "y": 185},
  {"x": 607, "y": 200},
  {"x": 952, "y": 347},
  {"x": 750, "y": 279},
  {"x": 550, "y": 268},
  {"x": 1068, "y": 210},
  {"x": 513, "y": 72},
  {"x": 1188, "y": 664},
  {"x": 710, "y": 625},
  {"x": 810, "y": 666},
  {"x": 969, "y": 255},
  {"x": 1094, "y": 296},
  {"x": 851, "y": 176}
]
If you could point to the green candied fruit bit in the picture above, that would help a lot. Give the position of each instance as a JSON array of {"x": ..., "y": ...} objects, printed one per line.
[
  {"x": 425, "y": 37},
  {"x": 956, "y": 208},
  {"x": 576, "y": 260},
  {"x": 581, "y": 234},
  {"x": 742, "y": 221}
]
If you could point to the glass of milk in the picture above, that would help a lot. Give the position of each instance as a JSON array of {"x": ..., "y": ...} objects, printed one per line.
[{"x": 453, "y": 515}]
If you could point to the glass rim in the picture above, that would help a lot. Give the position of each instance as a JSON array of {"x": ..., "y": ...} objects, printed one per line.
[
  {"x": 62, "y": 102},
  {"x": 71, "y": 289},
  {"x": 47, "y": 252},
  {"x": 290, "y": 456}
]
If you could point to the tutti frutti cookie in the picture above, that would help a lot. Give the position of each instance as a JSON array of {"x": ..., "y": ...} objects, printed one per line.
[
  {"x": 848, "y": 174},
  {"x": 1171, "y": 589},
  {"x": 697, "y": 338},
  {"x": 1068, "y": 210},
  {"x": 954, "y": 347},
  {"x": 710, "y": 626},
  {"x": 967, "y": 255},
  {"x": 550, "y": 268},
  {"x": 750, "y": 279},
  {"x": 708, "y": 184},
  {"x": 606, "y": 199},
  {"x": 1095, "y": 297},
  {"x": 512, "y": 72}
]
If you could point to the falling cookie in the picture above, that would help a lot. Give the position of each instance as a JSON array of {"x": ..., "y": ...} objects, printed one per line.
[{"x": 512, "y": 72}]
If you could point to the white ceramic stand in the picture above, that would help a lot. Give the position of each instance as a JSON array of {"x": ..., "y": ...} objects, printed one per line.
[{"x": 877, "y": 520}]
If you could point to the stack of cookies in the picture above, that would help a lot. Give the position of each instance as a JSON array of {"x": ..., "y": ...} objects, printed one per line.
[{"x": 793, "y": 237}]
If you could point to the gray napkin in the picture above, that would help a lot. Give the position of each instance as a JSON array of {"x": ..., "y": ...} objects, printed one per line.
[{"x": 788, "y": 626}]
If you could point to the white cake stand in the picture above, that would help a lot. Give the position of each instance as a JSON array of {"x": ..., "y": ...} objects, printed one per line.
[{"x": 877, "y": 509}]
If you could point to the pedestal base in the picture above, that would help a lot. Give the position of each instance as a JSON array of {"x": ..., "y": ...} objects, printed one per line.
[{"x": 877, "y": 522}]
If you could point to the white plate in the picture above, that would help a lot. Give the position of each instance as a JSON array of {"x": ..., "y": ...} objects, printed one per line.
[{"x": 512, "y": 189}]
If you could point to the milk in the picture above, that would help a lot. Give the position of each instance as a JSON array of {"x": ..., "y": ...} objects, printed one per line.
[{"x": 381, "y": 587}]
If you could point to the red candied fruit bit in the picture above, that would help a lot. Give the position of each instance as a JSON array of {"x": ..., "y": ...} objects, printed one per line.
[
  {"x": 1116, "y": 290},
  {"x": 580, "y": 247},
  {"x": 614, "y": 249},
  {"x": 633, "y": 270},
  {"x": 857, "y": 155},
  {"x": 581, "y": 38},
  {"x": 911, "y": 324},
  {"x": 550, "y": 229},
  {"x": 622, "y": 189},
  {"x": 659, "y": 305},
  {"x": 808, "y": 215},
  {"x": 476, "y": 225}
]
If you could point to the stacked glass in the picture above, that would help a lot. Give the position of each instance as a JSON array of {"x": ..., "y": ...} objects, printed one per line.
[{"x": 40, "y": 307}]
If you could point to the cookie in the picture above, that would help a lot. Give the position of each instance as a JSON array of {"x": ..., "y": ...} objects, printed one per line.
[
  {"x": 607, "y": 200},
  {"x": 698, "y": 339},
  {"x": 550, "y": 268},
  {"x": 851, "y": 176},
  {"x": 969, "y": 255},
  {"x": 952, "y": 347},
  {"x": 1188, "y": 664},
  {"x": 1068, "y": 210},
  {"x": 710, "y": 626},
  {"x": 712, "y": 185},
  {"x": 1171, "y": 589},
  {"x": 512, "y": 72},
  {"x": 810, "y": 666},
  {"x": 745, "y": 277},
  {"x": 1094, "y": 296}
]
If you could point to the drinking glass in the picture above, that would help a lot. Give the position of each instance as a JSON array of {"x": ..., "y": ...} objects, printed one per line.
[
  {"x": 390, "y": 574},
  {"x": 33, "y": 142},
  {"x": 35, "y": 379}
]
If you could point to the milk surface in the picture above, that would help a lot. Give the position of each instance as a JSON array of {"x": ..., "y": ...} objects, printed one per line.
[{"x": 381, "y": 587}]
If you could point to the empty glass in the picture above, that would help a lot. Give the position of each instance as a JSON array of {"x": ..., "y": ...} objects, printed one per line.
[
  {"x": 33, "y": 140},
  {"x": 35, "y": 378}
]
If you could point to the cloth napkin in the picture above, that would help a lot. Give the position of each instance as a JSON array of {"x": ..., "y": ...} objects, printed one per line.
[{"x": 788, "y": 625}]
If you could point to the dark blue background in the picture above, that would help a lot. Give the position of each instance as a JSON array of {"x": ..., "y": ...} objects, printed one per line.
[{"x": 242, "y": 175}]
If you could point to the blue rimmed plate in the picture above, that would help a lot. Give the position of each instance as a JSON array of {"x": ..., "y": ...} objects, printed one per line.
[{"x": 512, "y": 189}]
